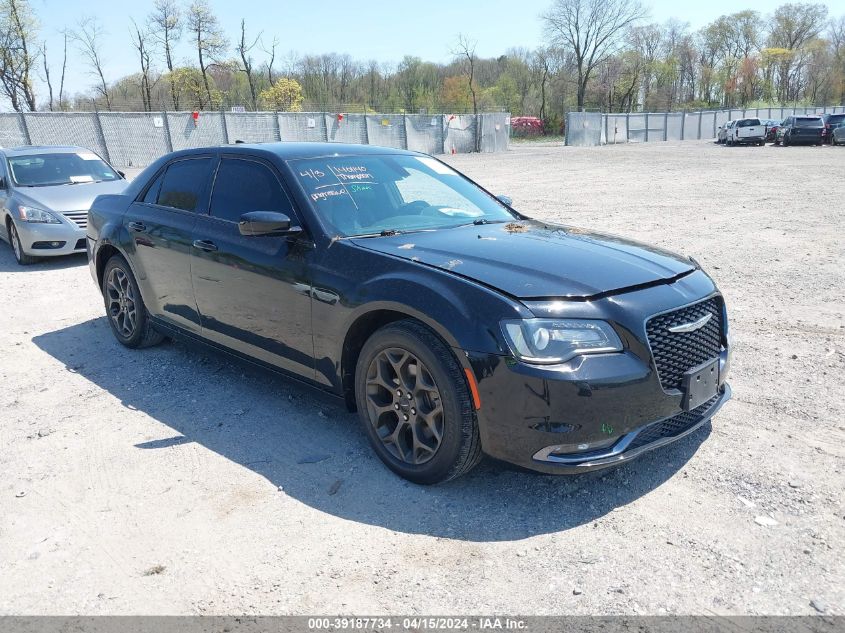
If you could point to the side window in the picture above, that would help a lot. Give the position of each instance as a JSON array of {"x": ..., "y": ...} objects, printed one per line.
[
  {"x": 242, "y": 186},
  {"x": 184, "y": 183},
  {"x": 152, "y": 193}
]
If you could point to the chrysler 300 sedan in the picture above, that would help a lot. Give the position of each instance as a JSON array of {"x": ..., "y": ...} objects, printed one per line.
[
  {"x": 45, "y": 194},
  {"x": 453, "y": 324}
]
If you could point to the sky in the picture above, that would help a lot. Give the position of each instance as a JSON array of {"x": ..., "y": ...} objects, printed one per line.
[{"x": 386, "y": 31}]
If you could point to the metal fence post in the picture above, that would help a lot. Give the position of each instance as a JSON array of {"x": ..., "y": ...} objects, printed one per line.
[
  {"x": 277, "y": 129},
  {"x": 665, "y": 126},
  {"x": 715, "y": 123},
  {"x": 405, "y": 127},
  {"x": 225, "y": 126},
  {"x": 683, "y": 124},
  {"x": 166, "y": 125},
  {"x": 444, "y": 123},
  {"x": 101, "y": 133},
  {"x": 646, "y": 127},
  {"x": 25, "y": 128},
  {"x": 700, "y": 116},
  {"x": 627, "y": 127}
]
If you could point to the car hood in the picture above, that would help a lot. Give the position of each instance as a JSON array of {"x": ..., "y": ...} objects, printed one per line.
[
  {"x": 63, "y": 198},
  {"x": 532, "y": 259}
]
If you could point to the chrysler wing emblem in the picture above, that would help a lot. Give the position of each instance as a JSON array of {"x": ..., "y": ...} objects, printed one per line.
[{"x": 692, "y": 326}]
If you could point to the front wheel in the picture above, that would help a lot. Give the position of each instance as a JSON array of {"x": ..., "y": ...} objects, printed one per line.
[
  {"x": 17, "y": 247},
  {"x": 128, "y": 316},
  {"x": 415, "y": 404}
]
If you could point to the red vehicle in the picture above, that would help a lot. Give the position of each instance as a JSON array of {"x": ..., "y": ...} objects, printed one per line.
[{"x": 526, "y": 126}]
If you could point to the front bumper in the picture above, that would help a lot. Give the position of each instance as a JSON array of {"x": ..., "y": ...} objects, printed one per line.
[
  {"x": 594, "y": 411},
  {"x": 38, "y": 239}
]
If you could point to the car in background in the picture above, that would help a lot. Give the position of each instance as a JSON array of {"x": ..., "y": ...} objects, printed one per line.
[
  {"x": 771, "y": 126},
  {"x": 746, "y": 132},
  {"x": 722, "y": 134},
  {"x": 837, "y": 136},
  {"x": 831, "y": 121},
  {"x": 800, "y": 130},
  {"x": 45, "y": 192},
  {"x": 454, "y": 324}
]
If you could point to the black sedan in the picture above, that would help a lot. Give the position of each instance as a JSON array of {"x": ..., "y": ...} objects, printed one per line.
[{"x": 455, "y": 325}]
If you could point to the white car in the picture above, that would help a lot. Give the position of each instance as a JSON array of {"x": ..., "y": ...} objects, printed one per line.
[
  {"x": 722, "y": 135},
  {"x": 746, "y": 132}
]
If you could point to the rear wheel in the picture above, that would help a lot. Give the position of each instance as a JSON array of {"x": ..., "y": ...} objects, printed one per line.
[
  {"x": 415, "y": 404},
  {"x": 17, "y": 247},
  {"x": 128, "y": 317}
]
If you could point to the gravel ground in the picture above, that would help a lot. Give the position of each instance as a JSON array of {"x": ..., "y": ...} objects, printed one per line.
[{"x": 167, "y": 481}]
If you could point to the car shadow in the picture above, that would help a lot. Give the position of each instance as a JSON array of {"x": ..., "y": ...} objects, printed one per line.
[
  {"x": 312, "y": 449},
  {"x": 8, "y": 263}
]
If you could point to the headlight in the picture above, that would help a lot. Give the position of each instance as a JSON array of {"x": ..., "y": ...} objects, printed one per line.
[
  {"x": 33, "y": 214},
  {"x": 558, "y": 340}
]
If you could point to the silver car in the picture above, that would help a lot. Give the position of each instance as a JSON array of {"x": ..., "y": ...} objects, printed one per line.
[{"x": 45, "y": 193}]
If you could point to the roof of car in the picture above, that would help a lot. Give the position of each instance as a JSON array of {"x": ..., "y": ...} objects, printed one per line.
[
  {"x": 291, "y": 150},
  {"x": 30, "y": 150}
]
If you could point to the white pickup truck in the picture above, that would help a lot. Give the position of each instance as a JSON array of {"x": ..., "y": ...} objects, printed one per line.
[{"x": 746, "y": 132}]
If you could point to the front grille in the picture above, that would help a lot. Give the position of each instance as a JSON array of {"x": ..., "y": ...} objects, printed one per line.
[
  {"x": 672, "y": 426},
  {"x": 80, "y": 218},
  {"x": 676, "y": 353}
]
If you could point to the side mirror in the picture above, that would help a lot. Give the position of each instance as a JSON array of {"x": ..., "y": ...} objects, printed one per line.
[
  {"x": 122, "y": 174},
  {"x": 506, "y": 200},
  {"x": 2, "y": 182},
  {"x": 266, "y": 224}
]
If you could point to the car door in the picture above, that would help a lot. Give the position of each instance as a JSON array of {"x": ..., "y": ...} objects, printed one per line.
[
  {"x": 253, "y": 292},
  {"x": 4, "y": 197},
  {"x": 160, "y": 224}
]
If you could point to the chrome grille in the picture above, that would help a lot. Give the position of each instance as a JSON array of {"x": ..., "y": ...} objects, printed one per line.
[
  {"x": 80, "y": 218},
  {"x": 675, "y": 353}
]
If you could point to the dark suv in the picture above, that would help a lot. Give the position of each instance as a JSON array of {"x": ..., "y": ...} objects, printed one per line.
[
  {"x": 831, "y": 121},
  {"x": 800, "y": 130},
  {"x": 454, "y": 324}
]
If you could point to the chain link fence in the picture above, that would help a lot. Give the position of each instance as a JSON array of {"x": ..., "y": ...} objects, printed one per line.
[
  {"x": 594, "y": 128},
  {"x": 135, "y": 139}
]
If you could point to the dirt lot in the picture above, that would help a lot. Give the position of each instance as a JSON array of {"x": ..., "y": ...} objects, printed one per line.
[{"x": 171, "y": 482}]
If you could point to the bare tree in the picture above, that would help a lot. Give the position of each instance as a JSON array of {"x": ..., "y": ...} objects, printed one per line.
[
  {"x": 208, "y": 37},
  {"x": 465, "y": 52},
  {"x": 271, "y": 51},
  {"x": 166, "y": 28},
  {"x": 591, "y": 30},
  {"x": 246, "y": 62},
  {"x": 18, "y": 57},
  {"x": 88, "y": 37},
  {"x": 139, "y": 41}
]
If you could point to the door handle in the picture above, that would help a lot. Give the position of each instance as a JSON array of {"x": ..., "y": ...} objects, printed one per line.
[
  {"x": 140, "y": 227},
  {"x": 205, "y": 245}
]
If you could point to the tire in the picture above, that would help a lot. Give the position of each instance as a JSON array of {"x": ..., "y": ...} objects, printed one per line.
[
  {"x": 785, "y": 140},
  {"x": 128, "y": 317},
  {"x": 17, "y": 248},
  {"x": 396, "y": 370}
]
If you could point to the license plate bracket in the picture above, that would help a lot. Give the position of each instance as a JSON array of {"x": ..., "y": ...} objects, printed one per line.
[{"x": 700, "y": 384}]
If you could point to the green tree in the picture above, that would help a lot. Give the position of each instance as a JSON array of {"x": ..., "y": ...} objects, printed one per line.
[{"x": 285, "y": 95}]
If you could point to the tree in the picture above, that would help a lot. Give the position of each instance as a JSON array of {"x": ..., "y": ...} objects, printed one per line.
[
  {"x": 48, "y": 79},
  {"x": 244, "y": 50},
  {"x": 18, "y": 28},
  {"x": 208, "y": 38},
  {"x": 139, "y": 40},
  {"x": 591, "y": 30},
  {"x": 166, "y": 28},
  {"x": 465, "y": 52},
  {"x": 271, "y": 51},
  {"x": 189, "y": 86},
  {"x": 285, "y": 95},
  {"x": 88, "y": 36}
]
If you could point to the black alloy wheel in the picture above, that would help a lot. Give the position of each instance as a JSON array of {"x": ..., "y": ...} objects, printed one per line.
[
  {"x": 415, "y": 404},
  {"x": 125, "y": 308}
]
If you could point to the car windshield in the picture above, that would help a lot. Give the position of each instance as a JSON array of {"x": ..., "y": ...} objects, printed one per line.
[
  {"x": 369, "y": 195},
  {"x": 60, "y": 168},
  {"x": 808, "y": 122},
  {"x": 748, "y": 122}
]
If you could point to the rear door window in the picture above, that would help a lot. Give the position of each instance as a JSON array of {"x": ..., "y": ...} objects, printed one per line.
[{"x": 185, "y": 184}]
